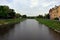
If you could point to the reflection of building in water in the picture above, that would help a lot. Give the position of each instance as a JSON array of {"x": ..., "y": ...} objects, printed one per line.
[{"x": 55, "y": 12}]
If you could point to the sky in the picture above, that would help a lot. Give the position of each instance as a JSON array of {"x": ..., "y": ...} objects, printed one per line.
[{"x": 31, "y": 7}]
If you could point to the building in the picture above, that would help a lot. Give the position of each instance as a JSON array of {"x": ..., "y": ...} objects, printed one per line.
[{"x": 54, "y": 12}]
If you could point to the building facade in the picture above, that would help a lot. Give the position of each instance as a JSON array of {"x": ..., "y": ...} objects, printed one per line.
[{"x": 54, "y": 12}]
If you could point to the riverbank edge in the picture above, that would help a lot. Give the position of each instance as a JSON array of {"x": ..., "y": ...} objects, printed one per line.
[
  {"x": 48, "y": 26},
  {"x": 11, "y": 22}
]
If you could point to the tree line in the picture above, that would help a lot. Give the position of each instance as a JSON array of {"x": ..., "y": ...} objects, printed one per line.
[
  {"x": 6, "y": 13},
  {"x": 46, "y": 16}
]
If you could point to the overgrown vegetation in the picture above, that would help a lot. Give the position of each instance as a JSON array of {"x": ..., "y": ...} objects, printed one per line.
[
  {"x": 6, "y": 21},
  {"x": 8, "y": 16},
  {"x": 7, "y": 13},
  {"x": 46, "y": 16},
  {"x": 10, "y": 21},
  {"x": 56, "y": 18},
  {"x": 50, "y": 23}
]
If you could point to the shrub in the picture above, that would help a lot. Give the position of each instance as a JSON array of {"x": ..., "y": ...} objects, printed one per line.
[{"x": 56, "y": 18}]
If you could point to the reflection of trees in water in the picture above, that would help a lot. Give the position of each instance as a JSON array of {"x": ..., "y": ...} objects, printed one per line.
[{"x": 5, "y": 29}]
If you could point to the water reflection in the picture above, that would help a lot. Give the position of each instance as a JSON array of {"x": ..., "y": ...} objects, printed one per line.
[
  {"x": 29, "y": 29},
  {"x": 49, "y": 33},
  {"x": 6, "y": 29}
]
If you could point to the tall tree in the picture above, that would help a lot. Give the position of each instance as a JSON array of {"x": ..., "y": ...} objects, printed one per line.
[
  {"x": 40, "y": 16},
  {"x": 24, "y": 16},
  {"x": 6, "y": 12},
  {"x": 47, "y": 16},
  {"x": 18, "y": 15}
]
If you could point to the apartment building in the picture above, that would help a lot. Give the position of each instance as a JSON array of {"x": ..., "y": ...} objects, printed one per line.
[{"x": 54, "y": 12}]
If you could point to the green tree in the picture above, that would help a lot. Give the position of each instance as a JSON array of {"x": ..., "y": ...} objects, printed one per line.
[
  {"x": 24, "y": 16},
  {"x": 17, "y": 15},
  {"x": 40, "y": 16},
  {"x": 47, "y": 16},
  {"x": 6, "y": 12},
  {"x": 3, "y": 11},
  {"x": 11, "y": 13}
]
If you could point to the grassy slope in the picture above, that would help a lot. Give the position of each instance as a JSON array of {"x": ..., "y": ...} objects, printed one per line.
[
  {"x": 4, "y": 24},
  {"x": 50, "y": 23},
  {"x": 10, "y": 21}
]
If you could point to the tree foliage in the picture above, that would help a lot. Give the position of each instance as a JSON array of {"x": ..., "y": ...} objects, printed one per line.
[
  {"x": 47, "y": 16},
  {"x": 56, "y": 18},
  {"x": 17, "y": 15},
  {"x": 6, "y": 12},
  {"x": 40, "y": 16},
  {"x": 24, "y": 16}
]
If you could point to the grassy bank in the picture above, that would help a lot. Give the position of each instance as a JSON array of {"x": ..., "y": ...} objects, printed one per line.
[
  {"x": 7, "y": 24},
  {"x": 4, "y": 24},
  {"x": 10, "y": 21},
  {"x": 50, "y": 23}
]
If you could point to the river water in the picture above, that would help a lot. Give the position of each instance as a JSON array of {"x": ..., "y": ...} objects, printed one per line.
[{"x": 29, "y": 29}]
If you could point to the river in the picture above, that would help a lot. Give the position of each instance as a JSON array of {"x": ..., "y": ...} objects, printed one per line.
[{"x": 29, "y": 29}]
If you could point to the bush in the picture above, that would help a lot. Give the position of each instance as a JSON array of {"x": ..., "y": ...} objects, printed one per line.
[
  {"x": 56, "y": 18},
  {"x": 47, "y": 16}
]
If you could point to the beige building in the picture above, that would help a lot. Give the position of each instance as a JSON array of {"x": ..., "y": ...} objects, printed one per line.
[{"x": 54, "y": 12}]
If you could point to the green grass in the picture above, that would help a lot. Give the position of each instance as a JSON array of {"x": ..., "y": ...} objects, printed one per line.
[
  {"x": 50, "y": 23},
  {"x": 4, "y": 23},
  {"x": 10, "y": 21}
]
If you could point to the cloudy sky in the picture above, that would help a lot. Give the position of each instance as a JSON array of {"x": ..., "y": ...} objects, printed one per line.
[{"x": 31, "y": 7}]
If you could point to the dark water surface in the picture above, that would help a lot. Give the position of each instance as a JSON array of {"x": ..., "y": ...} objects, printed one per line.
[{"x": 29, "y": 29}]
